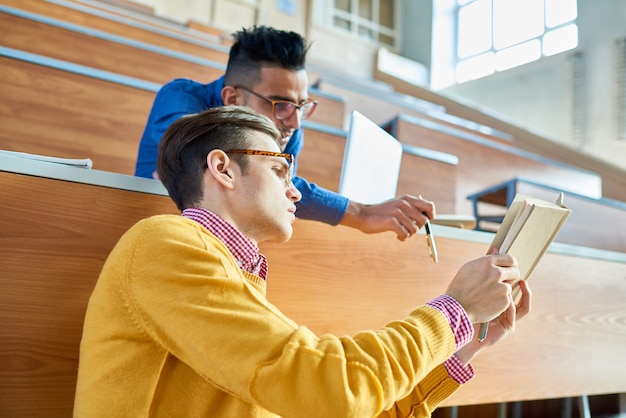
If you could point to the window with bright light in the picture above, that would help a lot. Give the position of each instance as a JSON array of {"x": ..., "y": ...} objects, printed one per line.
[
  {"x": 495, "y": 35},
  {"x": 375, "y": 20}
]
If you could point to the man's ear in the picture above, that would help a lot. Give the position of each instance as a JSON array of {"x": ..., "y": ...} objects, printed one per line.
[
  {"x": 231, "y": 96},
  {"x": 220, "y": 167}
]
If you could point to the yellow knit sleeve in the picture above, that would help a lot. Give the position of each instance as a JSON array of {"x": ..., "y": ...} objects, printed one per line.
[{"x": 428, "y": 394}]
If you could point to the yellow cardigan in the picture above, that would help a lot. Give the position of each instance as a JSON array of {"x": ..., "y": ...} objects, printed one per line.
[{"x": 175, "y": 329}]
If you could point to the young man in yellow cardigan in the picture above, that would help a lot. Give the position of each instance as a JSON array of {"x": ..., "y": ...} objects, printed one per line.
[{"x": 178, "y": 324}]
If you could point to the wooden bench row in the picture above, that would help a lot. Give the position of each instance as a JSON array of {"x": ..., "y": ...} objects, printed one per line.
[
  {"x": 56, "y": 112},
  {"x": 98, "y": 49},
  {"x": 41, "y": 35},
  {"x": 121, "y": 26},
  {"x": 483, "y": 162},
  {"x": 613, "y": 177},
  {"x": 594, "y": 222},
  {"x": 381, "y": 104}
]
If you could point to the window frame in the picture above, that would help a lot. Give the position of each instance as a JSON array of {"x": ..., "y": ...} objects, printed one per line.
[
  {"x": 374, "y": 27},
  {"x": 492, "y": 59}
]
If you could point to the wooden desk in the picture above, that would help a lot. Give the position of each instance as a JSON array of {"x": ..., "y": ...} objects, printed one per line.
[
  {"x": 37, "y": 34},
  {"x": 322, "y": 158},
  {"x": 172, "y": 39},
  {"x": 613, "y": 177},
  {"x": 58, "y": 230},
  {"x": 597, "y": 223},
  {"x": 63, "y": 114},
  {"x": 117, "y": 54},
  {"x": 483, "y": 162}
]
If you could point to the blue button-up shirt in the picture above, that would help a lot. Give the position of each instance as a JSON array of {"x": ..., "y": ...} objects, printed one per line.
[{"x": 182, "y": 97}]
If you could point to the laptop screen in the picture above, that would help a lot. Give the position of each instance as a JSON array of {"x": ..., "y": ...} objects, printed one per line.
[{"x": 371, "y": 162}]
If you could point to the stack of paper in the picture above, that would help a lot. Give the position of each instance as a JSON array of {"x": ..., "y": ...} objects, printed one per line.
[{"x": 83, "y": 163}]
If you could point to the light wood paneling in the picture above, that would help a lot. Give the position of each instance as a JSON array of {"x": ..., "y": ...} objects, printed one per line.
[
  {"x": 78, "y": 48},
  {"x": 55, "y": 237},
  {"x": 322, "y": 158},
  {"x": 330, "y": 110},
  {"x": 481, "y": 165},
  {"x": 593, "y": 223},
  {"x": 53, "y": 112},
  {"x": 71, "y": 15},
  {"x": 613, "y": 177},
  {"x": 434, "y": 180}
]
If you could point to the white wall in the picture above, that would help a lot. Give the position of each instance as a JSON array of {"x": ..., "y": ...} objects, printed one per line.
[
  {"x": 539, "y": 95},
  {"x": 232, "y": 15}
]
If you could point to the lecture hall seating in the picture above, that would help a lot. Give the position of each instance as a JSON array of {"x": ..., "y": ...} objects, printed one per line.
[
  {"x": 594, "y": 222},
  {"x": 613, "y": 177},
  {"x": 74, "y": 13},
  {"x": 483, "y": 162},
  {"x": 41, "y": 35}
]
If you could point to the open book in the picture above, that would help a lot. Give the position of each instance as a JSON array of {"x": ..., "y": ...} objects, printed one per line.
[{"x": 527, "y": 230}]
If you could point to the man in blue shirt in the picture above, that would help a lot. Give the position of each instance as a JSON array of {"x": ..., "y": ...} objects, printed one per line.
[{"x": 266, "y": 72}]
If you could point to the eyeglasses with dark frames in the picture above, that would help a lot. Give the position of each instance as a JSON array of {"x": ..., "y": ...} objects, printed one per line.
[
  {"x": 288, "y": 157},
  {"x": 283, "y": 109}
]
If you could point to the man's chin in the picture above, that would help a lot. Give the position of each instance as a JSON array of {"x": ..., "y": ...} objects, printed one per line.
[{"x": 284, "y": 236}]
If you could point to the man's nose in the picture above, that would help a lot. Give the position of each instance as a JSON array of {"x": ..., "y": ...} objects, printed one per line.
[
  {"x": 293, "y": 193},
  {"x": 293, "y": 121}
]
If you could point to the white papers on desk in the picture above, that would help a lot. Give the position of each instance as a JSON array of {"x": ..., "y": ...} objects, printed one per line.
[{"x": 75, "y": 162}]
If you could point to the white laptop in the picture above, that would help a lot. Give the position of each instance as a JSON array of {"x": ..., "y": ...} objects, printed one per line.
[
  {"x": 371, "y": 162},
  {"x": 371, "y": 168}
]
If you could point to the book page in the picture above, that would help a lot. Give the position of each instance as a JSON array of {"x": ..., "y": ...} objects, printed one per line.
[
  {"x": 529, "y": 227},
  {"x": 535, "y": 236}
]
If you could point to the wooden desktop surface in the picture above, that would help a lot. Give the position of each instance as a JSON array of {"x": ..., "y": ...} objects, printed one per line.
[{"x": 56, "y": 235}]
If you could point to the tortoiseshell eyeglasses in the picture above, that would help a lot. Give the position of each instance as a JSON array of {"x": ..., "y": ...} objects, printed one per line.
[
  {"x": 288, "y": 157},
  {"x": 283, "y": 109}
]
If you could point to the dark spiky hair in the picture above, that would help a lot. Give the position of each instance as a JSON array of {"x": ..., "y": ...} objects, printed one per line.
[{"x": 263, "y": 46}]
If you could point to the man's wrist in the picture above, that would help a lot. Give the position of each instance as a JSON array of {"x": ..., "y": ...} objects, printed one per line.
[{"x": 352, "y": 215}]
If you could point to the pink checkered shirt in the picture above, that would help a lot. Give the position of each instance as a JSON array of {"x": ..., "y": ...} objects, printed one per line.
[
  {"x": 463, "y": 333},
  {"x": 246, "y": 253}
]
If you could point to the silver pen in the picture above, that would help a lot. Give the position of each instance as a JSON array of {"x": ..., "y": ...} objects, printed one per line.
[
  {"x": 482, "y": 333},
  {"x": 430, "y": 238}
]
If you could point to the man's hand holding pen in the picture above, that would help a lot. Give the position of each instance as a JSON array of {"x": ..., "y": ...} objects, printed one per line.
[
  {"x": 501, "y": 326},
  {"x": 483, "y": 286},
  {"x": 404, "y": 215}
]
